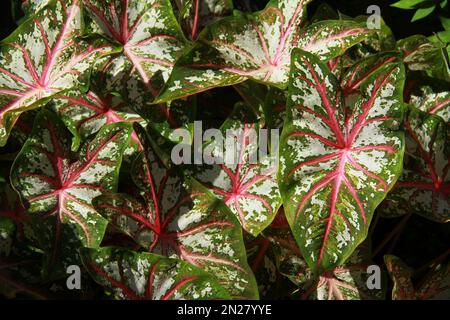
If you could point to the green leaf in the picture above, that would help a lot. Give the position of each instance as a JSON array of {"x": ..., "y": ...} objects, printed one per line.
[
  {"x": 176, "y": 216},
  {"x": 325, "y": 12},
  {"x": 420, "y": 54},
  {"x": 256, "y": 46},
  {"x": 247, "y": 181},
  {"x": 144, "y": 276},
  {"x": 424, "y": 186},
  {"x": 42, "y": 58},
  {"x": 341, "y": 152},
  {"x": 331, "y": 38},
  {"x": 445, "y": 22},
  {"x": 423, "y": 13},
  {"x": 436, "y": 284},
  {"x": 149, "y": 40},
  {"x": 7, "y": 229},
  {"x": 408, "y": 4},
  {"x": 59, "y": 192}
]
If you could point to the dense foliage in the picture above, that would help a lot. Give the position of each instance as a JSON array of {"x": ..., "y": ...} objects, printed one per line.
[{"x": 94, "y": 94}]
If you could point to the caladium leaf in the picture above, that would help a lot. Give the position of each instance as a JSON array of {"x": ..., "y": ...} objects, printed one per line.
[
  {"x": 433, "y": 102},
  {"x": 85, "y": 114},
  {"x": 340, "y": 154},
  {"x": 256, "y": 46},
  {"x": 346, "y": 282},
  {"x": 42, "y": 58},
  {"x": 150, "y": 40},
  {"x": 420, "y": 54},
  {"x": 59, "y": 192},
  {"x": 434, "y": 286},
  {"x": 196, "y": 14},
  {"x": 180, "y": 218},
  {"x": 424, "y": 186},
  {"x": 246, "y": 181},
  {"x": 146, "y": 276}
]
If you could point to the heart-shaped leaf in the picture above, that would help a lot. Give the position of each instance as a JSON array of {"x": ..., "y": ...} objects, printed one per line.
[
  {"x": 59, "y": 192},
  {"x": 420, "y": 54},
  {"x": 246, "y": 181},
  {"x": 340, "y": 153},
  {"x": 180, "y": 218},
  {"x": 42, "y": 58},
  {"x": 150, "y": 40},
  {"x": 146, "y": 276},
  {"x": 256, "y": 46},
  {"x": 424, "y": 186}
]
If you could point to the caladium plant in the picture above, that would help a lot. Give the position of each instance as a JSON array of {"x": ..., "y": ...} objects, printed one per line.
[{"x": 96, "y": 94}]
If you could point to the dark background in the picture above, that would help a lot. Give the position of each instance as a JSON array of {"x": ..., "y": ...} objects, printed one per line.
[{"x": 397, "y": 19}]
